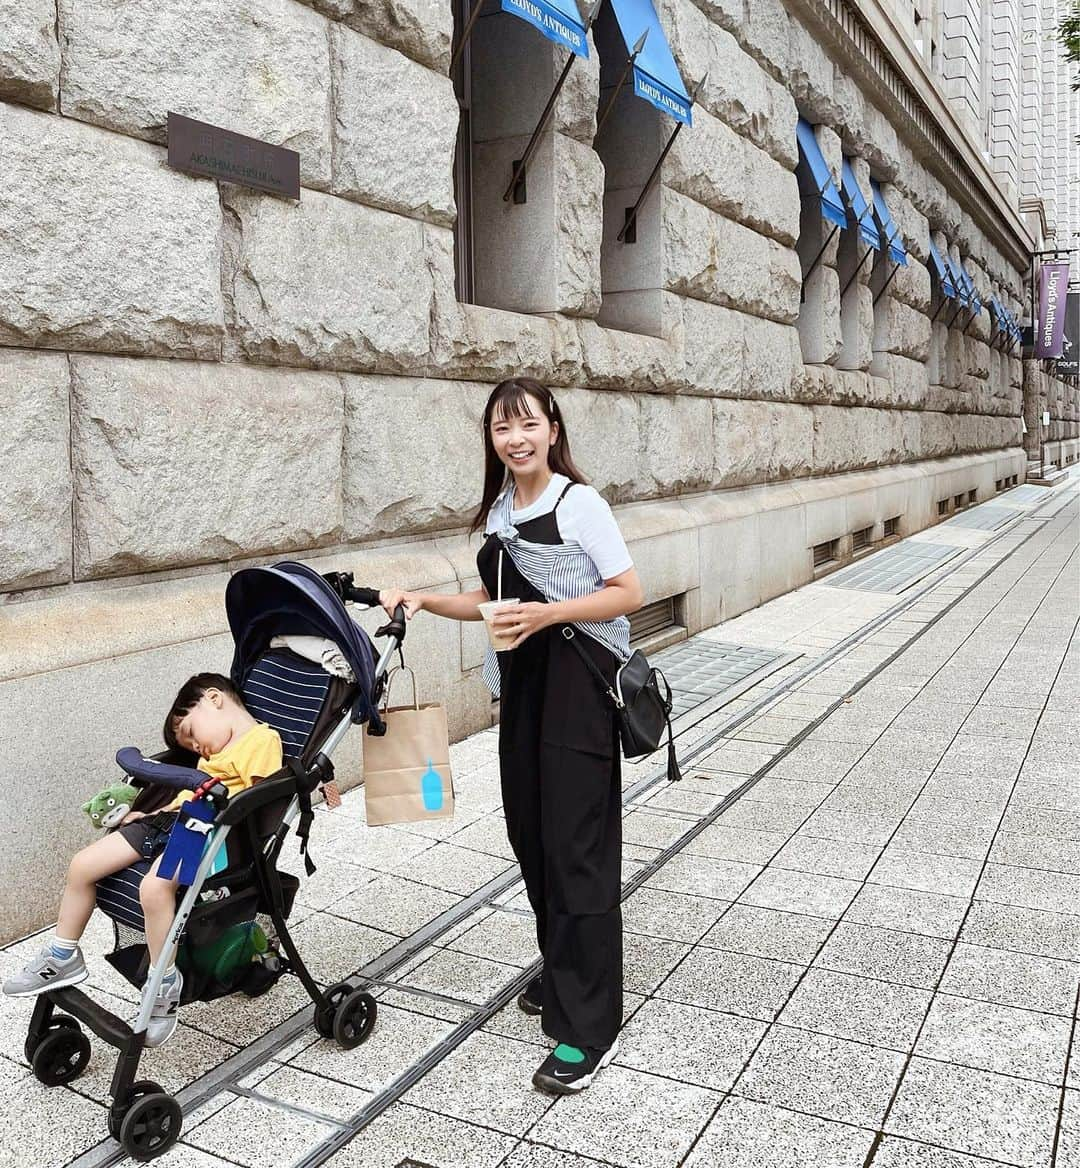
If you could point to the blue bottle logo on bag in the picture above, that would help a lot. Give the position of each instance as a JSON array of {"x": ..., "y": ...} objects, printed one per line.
[{"x": 431, "y": 788}]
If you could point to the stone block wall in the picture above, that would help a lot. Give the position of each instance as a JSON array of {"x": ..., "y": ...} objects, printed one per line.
[{"x": 196, "y": 376}]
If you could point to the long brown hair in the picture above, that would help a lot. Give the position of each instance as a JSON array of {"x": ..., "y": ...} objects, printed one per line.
[{"x": 510, "y": 399}]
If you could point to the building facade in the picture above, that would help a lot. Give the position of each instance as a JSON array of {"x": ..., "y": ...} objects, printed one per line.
[{"x": 197, "y": 376}]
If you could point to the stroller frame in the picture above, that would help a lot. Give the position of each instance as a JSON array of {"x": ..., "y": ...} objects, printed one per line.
[{"x": 142, "y": 1116}]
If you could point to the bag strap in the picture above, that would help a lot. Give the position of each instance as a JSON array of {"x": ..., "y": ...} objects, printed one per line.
[{"x": 569, "y": 634}]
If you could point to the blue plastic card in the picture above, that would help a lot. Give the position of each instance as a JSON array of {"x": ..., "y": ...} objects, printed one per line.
[{"x": 187, "y": 842}]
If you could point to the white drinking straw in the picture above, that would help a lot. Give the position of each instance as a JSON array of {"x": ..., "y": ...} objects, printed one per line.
[{"x": 498, "y": 596}]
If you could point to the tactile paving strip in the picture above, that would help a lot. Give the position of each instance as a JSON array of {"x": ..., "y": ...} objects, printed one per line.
[
  {"x": 1026, "y": 494},
  {"x": 698, "y": 670},
  {"x": 988, "y": 517},
  {"x": 895, "y": 568}
]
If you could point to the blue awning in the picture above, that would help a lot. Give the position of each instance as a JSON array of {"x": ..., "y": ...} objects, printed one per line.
[
  {"x": 943, "y": 270},
  {"x": 957, "y": 280},
  {"x": 559, "y": 20},
  {"x": 889, "y": 231},
  {"x": 656, "y": 76},
  {"x": 857, "y": 204},
  {"x": 832, "y": 206},
  {"x": 974, "y": 299}
]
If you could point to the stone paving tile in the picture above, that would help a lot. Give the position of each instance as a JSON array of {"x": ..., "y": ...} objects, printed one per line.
[
  {"x": 647, "y": 961},
  {"x": 826, "y": 857},
  {"x": 823, "y": 1076},
  {"x": 639, "y": 1120},
  {"x": 851, "y": 826},
  {"x": 800, "y": 892},
  {"x": 55, "y": 1124},
  {"x": 393, "y": 904},
  {"x": 1027, "y": 888},
  {"x": 404, "y": 1132},
  {"x": 486, "y": 1081},
  {"x": 460, "y": 975},
  {"x": 487, "y": 835},
  {"x": 703, "y": 876},
  {"x": 821, "y": 762},
  {"x": 879, "y": 800},
  {"x": 968, "y": 812},
  {"x": 723, "y": 842},
  {"x": 944, "y": 784},
  {"x": 994, "y": 1037},
  {"x": 1052, "y": 794},
  {"x": 674, "y": 915},
  {"x": 881, "y": 1013},
  {"x": 718, "y": 979},
  {"x": 998, "y": 975},
  {"x": 313, "y": 1092},
  {"x": 942, "y": 839},
  {"x": 653, "y": 830},
  {"x": 908, "y": 958},
  {"x": 399, "y": 1038},
  {"x": 745, "y": 1134},
  {"x": 507, "y": 937},
  {"x": 693, "y": 1045},
  {"x": 792, "y": 792},
  {"x": 926, "y": 872},
  {"x": 1003, "y": 926},
  {"x": 996, "y": 758},
  {"x": 930, "y": 913},
  {"x": 450, "y": 868},
  {"x": 1039, "y": 821},
  {"x": 977, "y": 1112},
  {"x": 242, "y": 1132},
  {"x": 764, "y": 932},
  {"x": 893, "y": 1152},
  {"x": 748, "y": 812}
]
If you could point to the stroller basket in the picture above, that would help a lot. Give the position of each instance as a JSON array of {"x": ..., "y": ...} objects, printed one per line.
[{"x": 229, "y": 932}]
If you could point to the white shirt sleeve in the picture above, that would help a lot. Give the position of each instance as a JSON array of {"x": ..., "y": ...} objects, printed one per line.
[{"x": 585, "y": 518}]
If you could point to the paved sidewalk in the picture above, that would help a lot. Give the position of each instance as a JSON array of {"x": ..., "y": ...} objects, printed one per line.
[{"x": 853, "y": 931}]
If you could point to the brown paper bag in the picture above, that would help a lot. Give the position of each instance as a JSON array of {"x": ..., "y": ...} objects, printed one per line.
[{"x": 407, "y": 770}]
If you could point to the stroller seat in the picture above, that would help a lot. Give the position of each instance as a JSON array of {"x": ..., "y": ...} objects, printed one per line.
[{"x": 302, "y": 702}]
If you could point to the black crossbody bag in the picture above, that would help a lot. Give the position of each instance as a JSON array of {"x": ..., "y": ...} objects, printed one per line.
[{"x": 642, "y": 700}]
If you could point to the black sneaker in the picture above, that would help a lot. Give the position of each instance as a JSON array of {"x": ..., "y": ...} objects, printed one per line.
[
  {"x": 531, "y": 998},
  {"x": 569, "y": 1069}
]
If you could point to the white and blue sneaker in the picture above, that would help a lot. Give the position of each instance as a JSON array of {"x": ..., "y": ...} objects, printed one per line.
[
  {"x": 47, "y": 972},
  {"x": 163, "y": 1016}
]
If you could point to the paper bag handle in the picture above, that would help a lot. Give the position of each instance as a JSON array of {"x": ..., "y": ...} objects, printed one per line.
[{"x": 389, "y": 681}]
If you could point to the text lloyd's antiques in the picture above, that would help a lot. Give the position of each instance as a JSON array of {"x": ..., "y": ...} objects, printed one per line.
[{"x": 200, "y": 148}]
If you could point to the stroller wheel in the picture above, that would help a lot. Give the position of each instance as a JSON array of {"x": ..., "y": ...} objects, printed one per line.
[
  {"x": 151, "y": 1126},
  {"x": 120, "y": 1108},
  {"x": 354, "y": 1019},
  {"x": 34, "y": 1040},
  {"x": 324, "y": 1016},
  {"x": 61, "y": 1056}
]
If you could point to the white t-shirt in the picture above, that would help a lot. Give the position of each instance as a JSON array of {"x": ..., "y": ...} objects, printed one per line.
[{"x": 583, "y": 518}]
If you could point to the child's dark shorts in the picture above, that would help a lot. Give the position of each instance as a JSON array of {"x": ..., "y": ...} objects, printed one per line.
[{"x": 150, "y": 835}]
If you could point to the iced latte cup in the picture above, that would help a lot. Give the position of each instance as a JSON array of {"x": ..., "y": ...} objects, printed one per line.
[{"x": 499, "y": 638}]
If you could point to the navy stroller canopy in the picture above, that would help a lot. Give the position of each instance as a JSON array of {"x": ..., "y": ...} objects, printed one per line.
[{"x": 293, "y": 599}]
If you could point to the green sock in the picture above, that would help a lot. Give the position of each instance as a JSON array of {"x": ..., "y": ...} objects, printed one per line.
[{"x": 569, "y": 1054}]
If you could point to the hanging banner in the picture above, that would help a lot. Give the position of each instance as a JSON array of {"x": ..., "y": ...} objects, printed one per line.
[
  {"x": 1053, "y": 281},
  {"x": 1069, "y": 363}
]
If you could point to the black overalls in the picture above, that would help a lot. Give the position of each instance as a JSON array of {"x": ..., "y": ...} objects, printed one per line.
[{"x": 562, "y": 797}]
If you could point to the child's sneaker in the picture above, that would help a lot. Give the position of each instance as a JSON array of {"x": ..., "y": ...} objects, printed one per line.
[
  {"x": 531, "y": 998},
  {"x": 47, "y": 972},
  {"x": 570, "y": 1068},
  {"x": 163, "y": 1015}
]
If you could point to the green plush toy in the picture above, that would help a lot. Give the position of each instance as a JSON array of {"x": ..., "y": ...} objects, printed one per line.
[{"x": 108, "y": 807}]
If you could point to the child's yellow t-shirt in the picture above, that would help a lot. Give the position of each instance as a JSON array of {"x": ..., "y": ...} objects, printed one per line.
[{"x": 256, "y": 754}]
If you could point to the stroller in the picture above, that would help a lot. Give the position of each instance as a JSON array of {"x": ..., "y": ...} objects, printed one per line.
[{"x": 221, "y": 945}]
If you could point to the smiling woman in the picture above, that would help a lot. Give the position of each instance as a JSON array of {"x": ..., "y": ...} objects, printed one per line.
[{"x": 552, "y": 543}]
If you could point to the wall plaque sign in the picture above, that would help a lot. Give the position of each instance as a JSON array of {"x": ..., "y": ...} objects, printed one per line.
[{"x": 200, "y": 148}]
